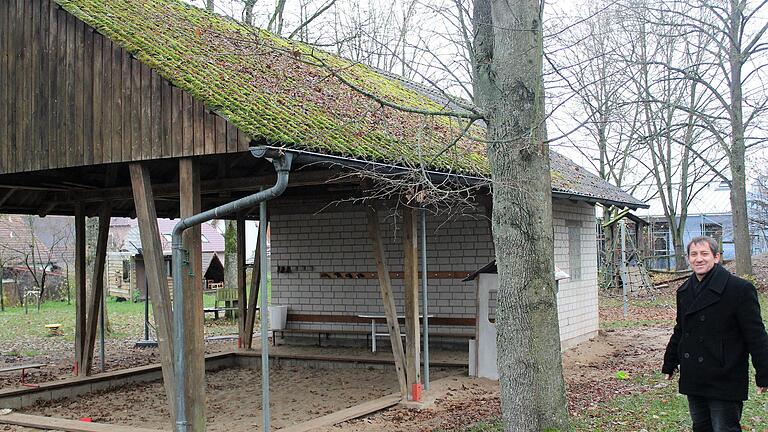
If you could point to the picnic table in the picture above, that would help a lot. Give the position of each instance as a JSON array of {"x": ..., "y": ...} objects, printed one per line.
[{"x": 374, "y": 319}]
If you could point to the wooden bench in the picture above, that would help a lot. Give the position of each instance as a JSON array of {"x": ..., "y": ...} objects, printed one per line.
[
  {"x": 23, "y": 368},
  {"x": 353, "y": 319},
  {"x": 54, "y": 329},
  {"x": 320, "y": 333}
]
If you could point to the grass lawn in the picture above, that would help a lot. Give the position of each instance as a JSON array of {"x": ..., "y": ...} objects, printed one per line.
[{"x": 126, "y": 320}]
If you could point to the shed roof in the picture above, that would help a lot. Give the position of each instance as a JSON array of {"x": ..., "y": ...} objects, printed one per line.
[
  {"x": 17, "y": 238},
  {"x": 212, "y": 240},
  {"x": 279, "y": 92}
]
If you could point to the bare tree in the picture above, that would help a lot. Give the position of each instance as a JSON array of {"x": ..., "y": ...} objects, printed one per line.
[
  {"x": 37, "y": 258},
  {"x": 732, "y": 32},
  {"x": 508, "y": 43},
  {"x": 681, "y": 152}
]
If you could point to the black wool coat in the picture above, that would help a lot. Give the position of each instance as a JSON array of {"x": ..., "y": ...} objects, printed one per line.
[{"x": 714, "y": 336}]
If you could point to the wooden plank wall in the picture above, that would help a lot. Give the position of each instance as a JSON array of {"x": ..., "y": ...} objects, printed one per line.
[{"x": 70, "y": 97}]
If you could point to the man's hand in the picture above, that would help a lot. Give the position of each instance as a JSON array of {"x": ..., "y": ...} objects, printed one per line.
[
  {"x": 668, "y": 377},
  {"x": 761, "y": 390}
]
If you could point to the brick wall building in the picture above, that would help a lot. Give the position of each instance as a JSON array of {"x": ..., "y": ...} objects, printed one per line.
[{"x": 319, "y": 262}]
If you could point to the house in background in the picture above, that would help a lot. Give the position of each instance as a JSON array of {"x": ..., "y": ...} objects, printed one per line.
[
  {"x": 21, "y": 252},
  {"x": 709, "y": 214},
  {"x": 124, "y": 273}
]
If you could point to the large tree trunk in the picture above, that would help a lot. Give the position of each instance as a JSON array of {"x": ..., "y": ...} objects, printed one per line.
[
  {"x": 741, "y": 238},
  {"x": 677, "y": 230},
  {"x": 509, "y": 88}
]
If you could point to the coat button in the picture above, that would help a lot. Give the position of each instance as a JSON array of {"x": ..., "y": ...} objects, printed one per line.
[
  {"x": 701, "y": 338},
  {"x": 687, "y": 334},
  {"x": 702, "y": 318},
  {"x": 701, "y": 359},
  {"x": 686, "y": 355}
]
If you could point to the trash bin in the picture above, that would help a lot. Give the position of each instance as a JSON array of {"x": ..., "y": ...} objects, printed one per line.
[{"x": 277, "y": 317}]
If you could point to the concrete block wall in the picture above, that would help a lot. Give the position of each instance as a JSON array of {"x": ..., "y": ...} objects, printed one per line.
[
  {"x": 337, "y": 242},
  {"x": 577, "y": 298}
]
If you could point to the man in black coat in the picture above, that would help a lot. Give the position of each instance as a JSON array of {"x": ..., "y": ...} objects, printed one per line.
[{"x": 718, "y": 327}]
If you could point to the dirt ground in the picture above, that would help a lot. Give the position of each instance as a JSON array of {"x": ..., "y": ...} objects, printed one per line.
[
  {"x": 589, "y": 370},
  {"x": 300, "y": 393}
]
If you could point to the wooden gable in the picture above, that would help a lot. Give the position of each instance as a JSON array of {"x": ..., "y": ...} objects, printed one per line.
[{"x": 71, "y": 97}]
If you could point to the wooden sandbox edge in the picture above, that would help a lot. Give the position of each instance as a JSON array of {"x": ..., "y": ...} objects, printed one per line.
[
  {"x": 55, "y": 423},
  {"x": 346, "y": 414}
]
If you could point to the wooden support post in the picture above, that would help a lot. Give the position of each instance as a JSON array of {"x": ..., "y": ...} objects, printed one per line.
[
  {"x": 411, "y": 286},
  {"x": 95, "y": 301},
  {"x": 253, "y": 300},
  {"x": 241, "y": 290},
  {"x": 154, "y": 266},
  {"x": 80, "y": 298},
  {"x": 385, "y": 284},
  {"x": 194, "y": 378}
]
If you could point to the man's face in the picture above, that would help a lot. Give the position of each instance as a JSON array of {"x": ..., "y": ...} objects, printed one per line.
[{"x": 701, "y": 258}]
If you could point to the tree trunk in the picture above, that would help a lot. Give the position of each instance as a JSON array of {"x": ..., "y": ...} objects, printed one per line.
[
  {"x": 248, "y": 11},
  {"x": 741, "y": 238},
  {"x": 509, "y": 88},
  {"x": 209, "y": 5},
  {"x": 230, "y": 258},
  {"x": 681, "y": 263}
]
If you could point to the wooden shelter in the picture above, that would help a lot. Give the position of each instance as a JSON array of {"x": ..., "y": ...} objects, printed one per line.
[{"x": 149, "y": 108}]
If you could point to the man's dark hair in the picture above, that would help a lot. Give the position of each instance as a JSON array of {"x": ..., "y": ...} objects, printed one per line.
[{"x": 713, "y": 245}]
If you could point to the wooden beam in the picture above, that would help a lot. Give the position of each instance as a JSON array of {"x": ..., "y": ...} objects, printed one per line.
[
  {"x": 80, "y": 298},
  {"x": 253, "y": 300},
  {"x": 241, "y": 291},
  {"x": 337, "y": 417},
  {"x": 97, "y": 289},
  {"x": 411, "y": 286},
  {"x": 6, "y": 196},
  {"x": 208, "y": 187},
  {"x": 194, "y": 378},
  {"x": 385, "y": 284},
  {"x": 154, "y": 264}
]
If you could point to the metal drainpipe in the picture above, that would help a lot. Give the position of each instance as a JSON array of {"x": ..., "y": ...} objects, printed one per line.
[
  {"x": 282, "y": 162},
  {"x": 264, "y": 316}
]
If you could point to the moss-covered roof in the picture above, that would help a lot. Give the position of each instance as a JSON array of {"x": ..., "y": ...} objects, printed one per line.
[
  {"x": 281, "y": 92},
  {"x": 277, "y": 90}
]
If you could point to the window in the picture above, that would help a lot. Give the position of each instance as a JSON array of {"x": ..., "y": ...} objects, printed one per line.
[
  {"x": 126, "y": 270},
  {"x": 574, "y": 250},
  {"x": 713, "y": 230}
]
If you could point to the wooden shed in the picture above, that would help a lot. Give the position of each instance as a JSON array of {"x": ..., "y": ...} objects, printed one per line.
[{"x": 150, "y": 108}]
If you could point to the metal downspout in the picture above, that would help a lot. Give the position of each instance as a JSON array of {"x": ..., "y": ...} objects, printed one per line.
[
  {"x": 263, "y": 319},
  {"x": 425, "y": 375},
  {"x": 282, "y": 162}
]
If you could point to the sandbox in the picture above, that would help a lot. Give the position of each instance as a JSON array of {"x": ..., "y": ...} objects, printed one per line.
[{"x": 301, "y": 389}]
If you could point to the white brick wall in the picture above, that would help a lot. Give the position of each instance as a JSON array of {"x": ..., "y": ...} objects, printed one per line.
[{"x": 338, "y": 242}]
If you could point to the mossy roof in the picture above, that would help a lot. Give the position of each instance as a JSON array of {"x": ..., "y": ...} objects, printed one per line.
[{"x": 281, "y": 92}]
